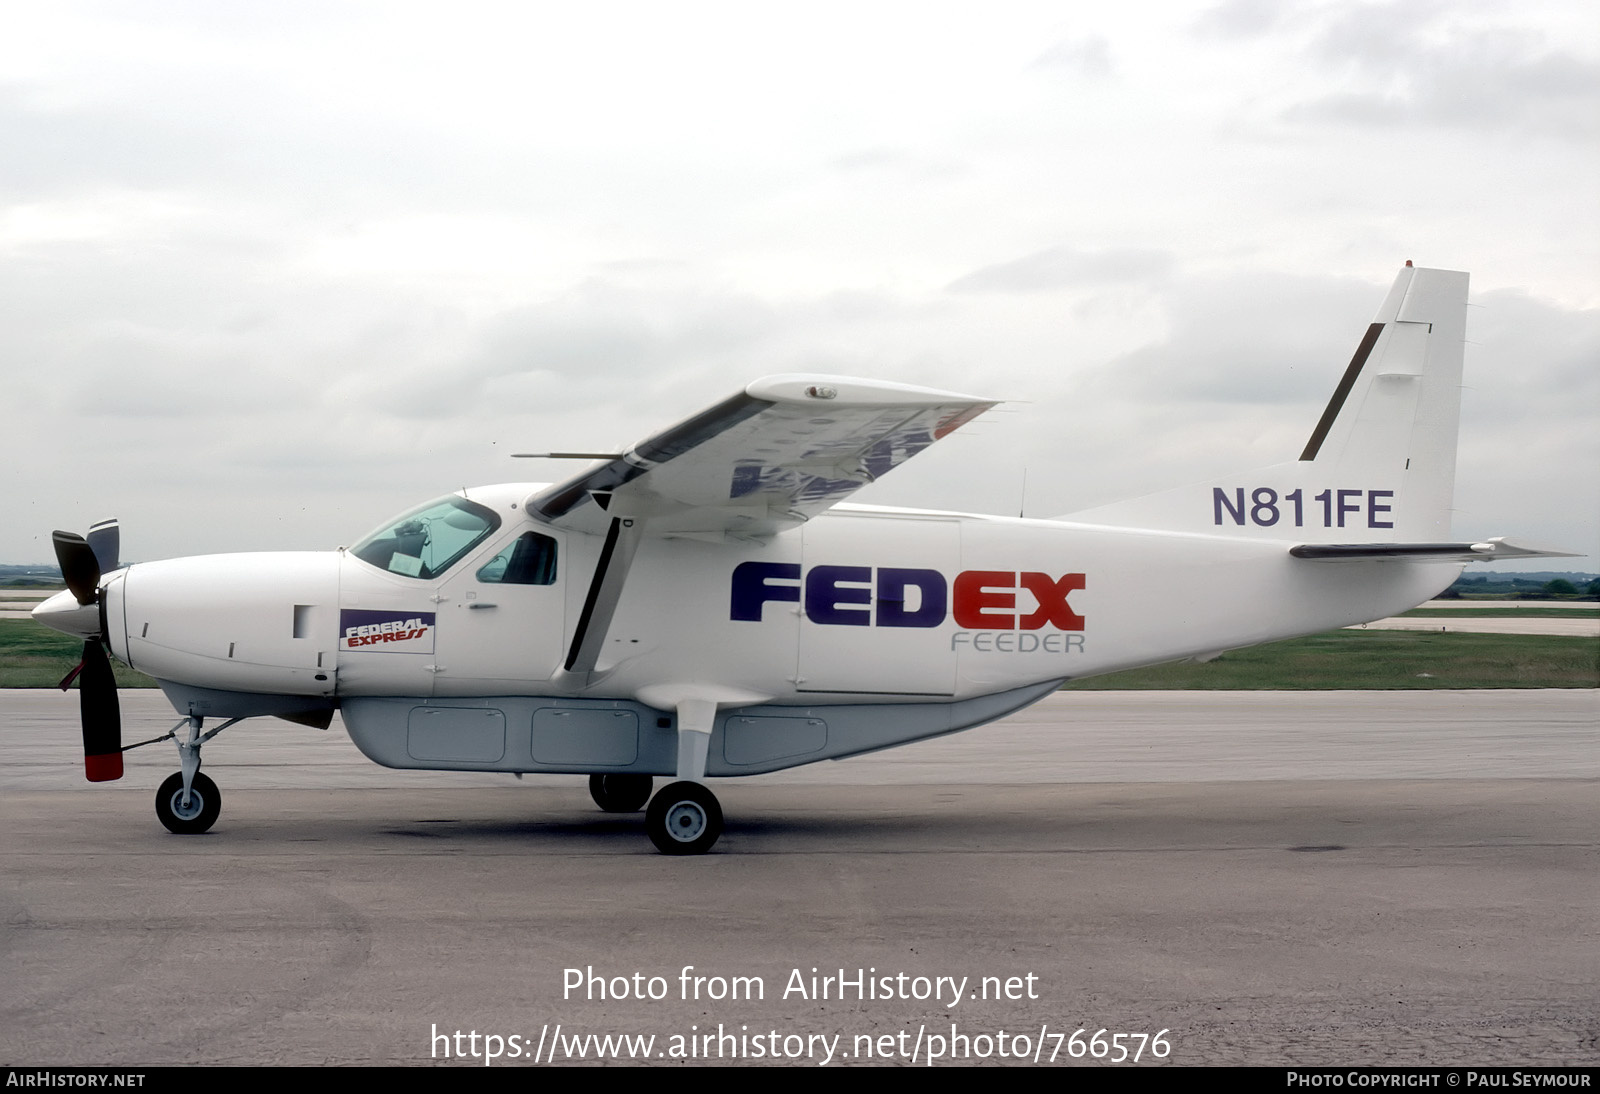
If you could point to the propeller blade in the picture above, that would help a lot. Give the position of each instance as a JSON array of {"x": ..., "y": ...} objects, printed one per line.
[
  {"x": 102, "y": 717},
  {"x": 105, "y": 540},
  {"x": 79, "y": 568}
]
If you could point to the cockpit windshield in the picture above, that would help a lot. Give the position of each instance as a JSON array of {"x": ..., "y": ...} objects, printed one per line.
[{"x": 427, "y": 541}]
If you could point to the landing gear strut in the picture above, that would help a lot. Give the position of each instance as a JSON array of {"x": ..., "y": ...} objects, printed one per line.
[
  {"x": 188, "y": 802},
  {"x": 684, "y": 817}
]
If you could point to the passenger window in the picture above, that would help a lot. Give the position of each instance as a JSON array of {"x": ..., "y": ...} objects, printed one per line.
[{"x": 531, "y": 560}]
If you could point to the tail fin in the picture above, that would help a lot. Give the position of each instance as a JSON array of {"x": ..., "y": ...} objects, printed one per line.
[{"x": 1380, "y": 464}]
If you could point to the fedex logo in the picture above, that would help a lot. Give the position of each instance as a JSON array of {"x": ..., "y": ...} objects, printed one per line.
[
  {"x": 889, "y": 596},
  {"x": 389, "y": 631}
]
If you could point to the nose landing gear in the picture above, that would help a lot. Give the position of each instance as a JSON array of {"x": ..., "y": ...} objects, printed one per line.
[
  {"x": 190, "y": 812},
  {"x": 188, "y": 802}
]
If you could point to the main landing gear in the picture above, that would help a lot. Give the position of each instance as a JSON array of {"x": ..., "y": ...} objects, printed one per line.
[
  {"x": 620, "y": 793},
  {"x": 684, "y": 817}
]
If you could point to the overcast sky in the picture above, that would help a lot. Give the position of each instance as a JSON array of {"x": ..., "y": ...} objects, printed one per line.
[{"x": 270, "y": 273}]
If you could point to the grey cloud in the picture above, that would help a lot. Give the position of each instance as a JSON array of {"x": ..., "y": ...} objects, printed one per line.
[
  {"x": 1066, "y": 267},
  {"x": 897, "y": 161},
  {"x": 1223, "y": 346},
  {"x": 867, "y": 159},
  {"x": 1244, "y": 18},
  {"x": 1412, "y": 66},
  {"x": 244, "y": 138},
  {"x": 48, "y": 150},
  {"x": 1410, "y": 63},
  {"x": 1090, "y": 56},
  {"x": 602, "y": 342},
  {"x": 1535, "y": 355}
]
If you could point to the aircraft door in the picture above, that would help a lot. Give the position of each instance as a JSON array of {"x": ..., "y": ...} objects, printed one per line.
[
  {"x": 502, "y": 619},
  {"x": 876, "y": 599}
]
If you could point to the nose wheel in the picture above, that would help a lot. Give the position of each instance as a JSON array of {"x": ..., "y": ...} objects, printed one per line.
[
  {"x": 188, "y": 803},
  {"x": 192, "y": 813},
  {"x": 684, "y": 819}
]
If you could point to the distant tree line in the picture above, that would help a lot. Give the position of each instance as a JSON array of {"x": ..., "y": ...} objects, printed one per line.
[
  {"x": 1524, "y": 587},
  {"x": 37, "y": 576}
]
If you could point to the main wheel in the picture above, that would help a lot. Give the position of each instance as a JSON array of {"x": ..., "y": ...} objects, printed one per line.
[
  {"x": 684, "y": 819},
  {"x": 620, "y": 793},
  {"x": 205, "y": 802}
]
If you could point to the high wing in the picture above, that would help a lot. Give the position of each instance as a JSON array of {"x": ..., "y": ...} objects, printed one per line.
[
  {"x": 765, "y": 460},
  {"x": 1492, "y": 550}
]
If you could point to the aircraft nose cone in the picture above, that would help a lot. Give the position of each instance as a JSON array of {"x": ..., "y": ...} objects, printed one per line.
[{"x": 63, "y": 613}]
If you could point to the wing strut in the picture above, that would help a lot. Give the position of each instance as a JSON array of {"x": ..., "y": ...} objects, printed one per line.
[{"x": 605, "y": 590}]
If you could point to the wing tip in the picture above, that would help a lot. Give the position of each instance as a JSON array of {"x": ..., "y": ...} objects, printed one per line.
[{"x": 805, "y": 388}]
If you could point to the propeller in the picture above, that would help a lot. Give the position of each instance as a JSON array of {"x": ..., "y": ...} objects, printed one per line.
[
  {"x": 83, "y": 561},
  {"x": 80, "y": 566},
  {"x": 105, "y": 540},
  {"x": 102, "y": 717}
]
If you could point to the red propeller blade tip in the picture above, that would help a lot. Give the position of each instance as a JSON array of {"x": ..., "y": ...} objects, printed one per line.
[{"x": 103, "y": 769}]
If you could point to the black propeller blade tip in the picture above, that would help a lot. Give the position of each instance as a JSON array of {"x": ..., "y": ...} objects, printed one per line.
[
  {"x": 79, "y": 567},
  {"x": 105, "y": 540}
]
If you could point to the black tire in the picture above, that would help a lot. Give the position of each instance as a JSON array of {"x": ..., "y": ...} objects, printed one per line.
[
  {"x": 620, "y": 793},
  {"x": 205, "y": 803},
  {"x": 684, "y": 819}
]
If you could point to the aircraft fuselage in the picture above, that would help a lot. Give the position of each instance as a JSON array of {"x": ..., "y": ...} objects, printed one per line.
[{"x": 859, "y": 607}]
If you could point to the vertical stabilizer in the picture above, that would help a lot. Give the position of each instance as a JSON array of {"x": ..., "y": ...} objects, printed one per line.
[{"x": 1379, "y": 464}]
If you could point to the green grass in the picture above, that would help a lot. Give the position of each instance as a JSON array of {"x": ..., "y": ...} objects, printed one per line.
[
  {"x": 33, "y": 656},
  {"x": 1502, "y": 613},
  {"x": 1378, "y": 660}
]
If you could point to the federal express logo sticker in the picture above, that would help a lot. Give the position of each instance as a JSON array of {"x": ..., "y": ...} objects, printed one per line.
[{"x": 385, "y": 632}]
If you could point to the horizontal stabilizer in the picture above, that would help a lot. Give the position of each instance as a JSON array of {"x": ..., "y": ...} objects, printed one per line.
[{"x": 1494, "y": 550}]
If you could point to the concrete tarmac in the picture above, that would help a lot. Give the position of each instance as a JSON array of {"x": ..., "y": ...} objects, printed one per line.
[{"x": 1271, "y": 878}]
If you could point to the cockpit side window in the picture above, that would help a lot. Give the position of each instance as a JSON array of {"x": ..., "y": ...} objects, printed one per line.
[
  {"x": 529, "y": 560},
  {"x": 427, "y": 541}
]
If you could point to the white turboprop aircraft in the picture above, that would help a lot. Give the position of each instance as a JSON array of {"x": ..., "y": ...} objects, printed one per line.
[{"x": 703, "y": 605}]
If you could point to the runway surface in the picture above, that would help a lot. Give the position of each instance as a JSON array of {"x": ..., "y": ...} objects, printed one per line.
[{"x": 1335, "y": 878}]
